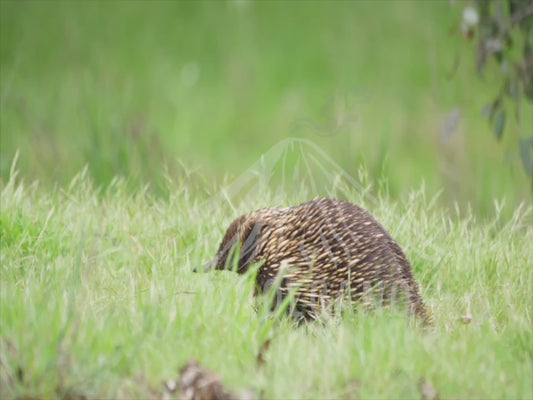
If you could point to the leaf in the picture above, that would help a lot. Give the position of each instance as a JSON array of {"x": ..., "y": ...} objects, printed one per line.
[
  {"x": 499, "y": 123},
  {"x": 481, "y": 57},
  {"x": 514, "y": 89},
  {"x": 487, "y": 111},
  {"x": 450, "y": 125},
  {"x": 526, "y": 147}
]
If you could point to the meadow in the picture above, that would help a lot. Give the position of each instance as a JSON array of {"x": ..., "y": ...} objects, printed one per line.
[
  {"x": 135, "y": 89},
  {"x": 133, "y": 133},
  {"x": 99, "y": 300}
]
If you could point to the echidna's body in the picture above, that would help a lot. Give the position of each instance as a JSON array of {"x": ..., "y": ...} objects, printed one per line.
[{"x": 325, "y": 249}]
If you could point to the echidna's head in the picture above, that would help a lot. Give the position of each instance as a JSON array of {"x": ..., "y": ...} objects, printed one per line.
[{"x": 239, "y": 245}]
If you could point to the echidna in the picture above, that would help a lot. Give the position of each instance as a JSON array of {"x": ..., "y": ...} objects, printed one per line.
[{"x": 325, "y": 249}]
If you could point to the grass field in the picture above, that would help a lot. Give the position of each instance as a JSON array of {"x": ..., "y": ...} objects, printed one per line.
[
  {"x": 182, "y": 116},
  {"x": 99, "y": 299},
  {"x": 214, "y": 85}
]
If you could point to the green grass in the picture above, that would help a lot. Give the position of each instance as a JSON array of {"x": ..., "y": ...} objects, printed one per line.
[
  {"x": 161, "y": 105},
  {"x": 216, "y": 84},
  {"x": 98, "y": 298}
]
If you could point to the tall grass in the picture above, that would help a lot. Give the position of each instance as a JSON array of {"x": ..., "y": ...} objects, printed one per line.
[
  {"x": 216, "y": 84},
  {"x": 98, "y": 298}
]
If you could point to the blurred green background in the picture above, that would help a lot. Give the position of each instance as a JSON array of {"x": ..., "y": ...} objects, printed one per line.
[{"x": 144, "y": 89}]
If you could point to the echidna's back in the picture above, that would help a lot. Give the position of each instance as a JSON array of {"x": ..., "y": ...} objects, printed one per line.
[{"x": 332, "y": 247}]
